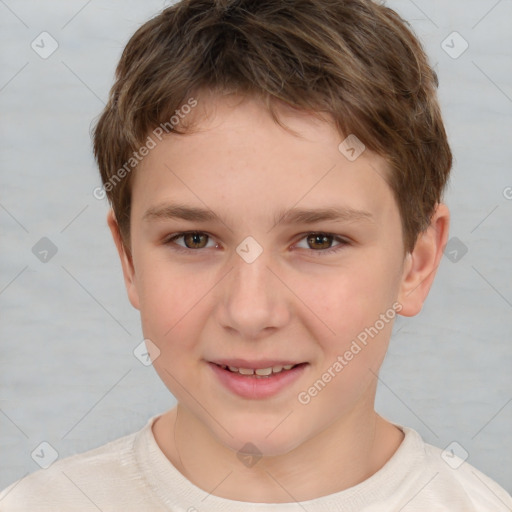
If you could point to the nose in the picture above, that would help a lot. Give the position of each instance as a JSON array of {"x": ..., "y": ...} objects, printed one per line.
[{"x": 253, "y": 299}]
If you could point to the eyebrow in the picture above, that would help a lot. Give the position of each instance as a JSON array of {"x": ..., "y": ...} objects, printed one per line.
[{"x": 284, "y": 217}]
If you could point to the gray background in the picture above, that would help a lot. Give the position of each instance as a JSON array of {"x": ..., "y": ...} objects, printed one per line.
[{"x": 68, "y": 375}]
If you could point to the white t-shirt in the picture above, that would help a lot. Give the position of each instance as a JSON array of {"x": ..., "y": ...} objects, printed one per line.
[{"x": 133, "y": 474}]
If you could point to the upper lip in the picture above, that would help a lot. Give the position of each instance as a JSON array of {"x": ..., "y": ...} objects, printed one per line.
[{"x": 254, "y": 365}]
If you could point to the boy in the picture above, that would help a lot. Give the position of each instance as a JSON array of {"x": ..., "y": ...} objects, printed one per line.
[{"x": 275, "y": 171}]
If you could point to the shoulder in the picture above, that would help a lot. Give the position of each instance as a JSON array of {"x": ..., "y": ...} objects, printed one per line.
[
  {"x": 454, "y": 483},
  {"x": 80, "y": 481}
]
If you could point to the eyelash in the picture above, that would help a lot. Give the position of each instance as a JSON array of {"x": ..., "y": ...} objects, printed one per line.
[{"x": 318, "y": 252}]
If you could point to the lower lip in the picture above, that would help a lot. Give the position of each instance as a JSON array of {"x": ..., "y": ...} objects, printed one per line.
[{"x": 253, "y": 387}]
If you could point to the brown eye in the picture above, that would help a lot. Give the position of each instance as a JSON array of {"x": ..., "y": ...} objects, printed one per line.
[
  {"x": 319, "y": 241},
  {"x": 195, "y": 240},
  {"x": 190, "y": 242},
  {"x": 321, "y": 244}
]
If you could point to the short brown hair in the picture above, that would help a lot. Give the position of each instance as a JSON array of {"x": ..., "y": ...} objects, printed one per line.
[{"x": 353, "y": 59}]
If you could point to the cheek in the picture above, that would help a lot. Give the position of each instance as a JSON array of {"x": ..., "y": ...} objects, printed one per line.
[
  {"x": 357, "y": 308},
  {"x": 169, "y": 299},
  {"x": 350, "y": 359},
  {"x": 170, "y": 313},
  {"x": 348, "y": 299}
]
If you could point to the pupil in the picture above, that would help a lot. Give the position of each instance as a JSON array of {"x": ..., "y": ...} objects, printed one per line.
[{"x": 195, "y": 238}]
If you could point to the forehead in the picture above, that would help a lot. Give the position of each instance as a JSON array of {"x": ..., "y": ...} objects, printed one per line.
[{"x": 236, "y": 153}]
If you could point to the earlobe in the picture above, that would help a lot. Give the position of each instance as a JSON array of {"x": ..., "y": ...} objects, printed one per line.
[
  {"x": 421, "y": 264},
  {"x": 126, "y": 260}
]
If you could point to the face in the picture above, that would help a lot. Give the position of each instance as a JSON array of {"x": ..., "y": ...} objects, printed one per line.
[{"x": 255, "y": 247}]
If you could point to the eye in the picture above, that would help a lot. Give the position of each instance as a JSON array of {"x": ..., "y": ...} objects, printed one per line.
[
  {"x": 192, "y": 240},
  {"x": 321, "y": 243}
]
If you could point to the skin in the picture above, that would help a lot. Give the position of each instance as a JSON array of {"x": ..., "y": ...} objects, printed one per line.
[{"x": 292, "y": 302}]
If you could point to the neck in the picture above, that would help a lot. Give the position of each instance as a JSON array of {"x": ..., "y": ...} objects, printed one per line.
[{"x": 344, "y": 454}]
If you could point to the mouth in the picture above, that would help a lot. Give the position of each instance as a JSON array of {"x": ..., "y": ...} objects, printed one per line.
[
  {"x": 257, "y": 380},
  {"x": 258, "y": 370}
]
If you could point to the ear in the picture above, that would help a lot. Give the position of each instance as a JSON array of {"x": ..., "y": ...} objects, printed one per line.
[
  {"x": 421, "y": 264},
  {"x": 126, "y": 260}
]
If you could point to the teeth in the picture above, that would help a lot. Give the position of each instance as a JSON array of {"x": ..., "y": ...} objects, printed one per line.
[
  {"x": 263, "y": 371},
  {"x": 260, "y": 371}
]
